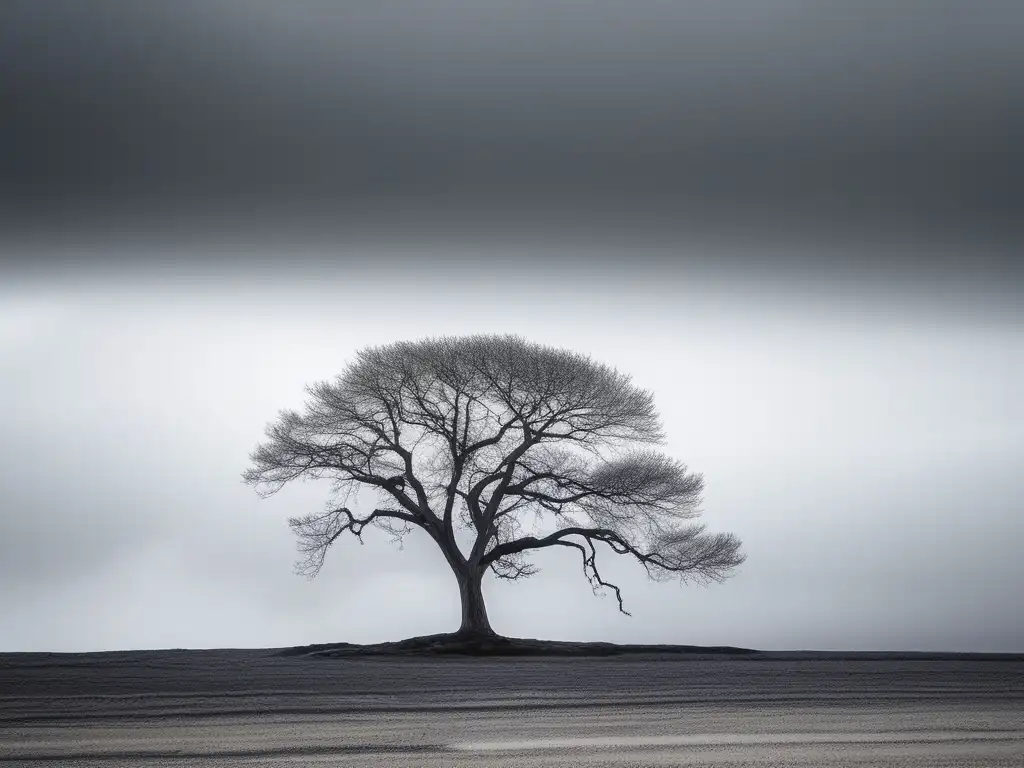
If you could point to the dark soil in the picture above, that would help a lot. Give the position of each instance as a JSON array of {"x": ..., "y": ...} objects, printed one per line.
[{"x": 465, "y": 644}]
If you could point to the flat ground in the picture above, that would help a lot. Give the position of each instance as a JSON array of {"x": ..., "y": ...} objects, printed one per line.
[{"x": 246, "y": 707}]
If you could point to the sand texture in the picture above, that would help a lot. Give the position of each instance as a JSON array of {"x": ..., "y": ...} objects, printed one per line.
[{"x": 262, "y": 707}]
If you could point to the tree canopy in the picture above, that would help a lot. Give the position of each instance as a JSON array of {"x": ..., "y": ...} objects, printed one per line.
[{"x": 494, "y": 446}]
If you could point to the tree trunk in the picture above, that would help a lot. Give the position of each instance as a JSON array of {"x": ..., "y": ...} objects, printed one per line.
[{"x": 474, "y": 612}]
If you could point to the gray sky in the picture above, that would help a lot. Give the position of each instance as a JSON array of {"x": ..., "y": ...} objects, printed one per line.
[
  {"x": 864, "y": 446},
  {"x": 797, "y": 226}
]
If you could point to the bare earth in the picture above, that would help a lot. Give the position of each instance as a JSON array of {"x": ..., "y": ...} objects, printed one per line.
[{"x": 246, "y": 707}]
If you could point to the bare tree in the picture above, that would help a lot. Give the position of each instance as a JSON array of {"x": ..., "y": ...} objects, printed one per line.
[{"x": 518, "y": 445}]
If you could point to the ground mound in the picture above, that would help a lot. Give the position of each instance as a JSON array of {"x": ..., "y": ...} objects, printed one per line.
[{"x": 465, "y": 644}]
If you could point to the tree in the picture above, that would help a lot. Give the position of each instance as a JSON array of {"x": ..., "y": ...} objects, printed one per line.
[{"x": 470, "y": 435}]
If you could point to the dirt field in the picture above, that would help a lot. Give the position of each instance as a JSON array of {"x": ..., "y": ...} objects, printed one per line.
[{"x": 244, "y": 707}]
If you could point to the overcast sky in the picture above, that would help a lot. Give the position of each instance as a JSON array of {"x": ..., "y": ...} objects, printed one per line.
[{"x": 798, "y": 226}]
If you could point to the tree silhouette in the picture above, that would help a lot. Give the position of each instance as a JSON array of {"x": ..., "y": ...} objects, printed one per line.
[{"x": 519, "y": 445}]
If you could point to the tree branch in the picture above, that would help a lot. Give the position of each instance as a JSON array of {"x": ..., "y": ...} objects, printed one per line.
[
  {"x": 316, "y": 533},
  {"x": 684, "y": 551},
  {"x": 591, "y": 572}
]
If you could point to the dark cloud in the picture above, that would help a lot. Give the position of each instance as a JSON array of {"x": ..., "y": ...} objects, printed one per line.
[{"x": 781, "y": 117}]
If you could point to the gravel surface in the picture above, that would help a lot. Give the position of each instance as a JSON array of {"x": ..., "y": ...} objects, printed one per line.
[{"x": 245, "y": 707}]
